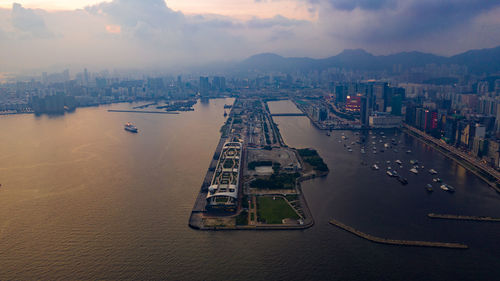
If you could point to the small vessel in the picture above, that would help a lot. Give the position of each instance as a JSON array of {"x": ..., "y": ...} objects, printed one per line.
[
  {"x": 375, "y": 167},
  {"x": 389, "y": 168},
  {"x": 402, "y": 180},
  {"x": 363, "y": 151},
  {"x": 130, "y": 127},
  {"x": 388, "y": 161},
  {"x": 432, "y": 172},
  {"x": 386, "y": 145},
  {"x": 429, "y": 188},
  {"x": 413, "y": 170},
  {"x": 389, "y": 173},
  {"x": 350, "y": 149},
  {"x": 447, "y": 187},
  {"x": 398, "y": 162},
  {"x": 413, "y": 162},
  {"x": 328, "y": 134},
  {"x": 225, "y": 113},
  {"x": 408, "y": 151},
  {"x": 436, "y": 180}
]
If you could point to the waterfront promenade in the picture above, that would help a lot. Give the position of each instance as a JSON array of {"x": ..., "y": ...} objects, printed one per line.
[{"x": 482, "y": 168}]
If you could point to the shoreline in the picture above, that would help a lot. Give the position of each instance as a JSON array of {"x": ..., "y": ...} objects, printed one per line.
[
  {"x": 199, "y": 211},
  {"x": 472, "y": 167}
]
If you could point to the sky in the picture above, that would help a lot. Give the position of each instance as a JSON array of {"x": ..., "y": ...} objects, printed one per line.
[{"x": 42, "y": 34}]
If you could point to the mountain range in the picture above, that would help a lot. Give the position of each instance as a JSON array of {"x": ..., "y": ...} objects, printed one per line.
[{"x": 477, "y": 61}]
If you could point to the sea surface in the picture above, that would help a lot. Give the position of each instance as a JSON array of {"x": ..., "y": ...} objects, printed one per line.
[{"x": 83, "y": 199}]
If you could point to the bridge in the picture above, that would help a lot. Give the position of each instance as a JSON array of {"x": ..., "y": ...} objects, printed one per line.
[{"x": 288, "y": 114}]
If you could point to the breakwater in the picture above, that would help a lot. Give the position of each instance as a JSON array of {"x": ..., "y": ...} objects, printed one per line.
[
  {"x": 143, "y": 111},
  {"x": 460, "y": 217},
  {"x": 398, "y": 242}
]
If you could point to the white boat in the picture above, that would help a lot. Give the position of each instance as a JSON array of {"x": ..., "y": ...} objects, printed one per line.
[
  {"x": 398, "y": 162},
  {"x": 130, "y": 127},
  {"x": 447, "y": 187},
  {"x": 413, "y": 170},
  {"x": 433, "y": 172},
  {"x": 375, "y": 167},
  {"x": 389, "y": 174}
]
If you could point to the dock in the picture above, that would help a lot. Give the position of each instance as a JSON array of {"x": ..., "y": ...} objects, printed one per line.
[
  {"x": 460, "y": 217},
  {"x": 144, "y": 111},
  {"x": 288, "y": 114},
  {"x": 398, "y": 242}
]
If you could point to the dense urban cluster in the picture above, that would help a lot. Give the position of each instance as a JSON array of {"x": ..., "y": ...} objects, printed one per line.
[{"x": 448, "y": 102}]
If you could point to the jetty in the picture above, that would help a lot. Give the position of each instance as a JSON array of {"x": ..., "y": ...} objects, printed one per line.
[
  {"x": 460, "y": 217},
  {"x": 143, "y": 111},
  {"x": 398, "y": 242}
]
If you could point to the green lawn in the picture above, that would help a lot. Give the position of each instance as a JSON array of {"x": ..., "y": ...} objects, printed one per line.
[{"x": 273, "y": 211}]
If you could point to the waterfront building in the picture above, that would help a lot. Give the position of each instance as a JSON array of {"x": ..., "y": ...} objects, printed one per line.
[
  {"x": 223, "y": 191},
  {"x": 385, "y": 120}
]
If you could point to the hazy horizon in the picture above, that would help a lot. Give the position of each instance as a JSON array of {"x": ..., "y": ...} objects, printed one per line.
[{"x": 157, "y": 34}]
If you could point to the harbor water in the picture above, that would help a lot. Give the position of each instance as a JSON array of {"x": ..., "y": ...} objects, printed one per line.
[{"x": 81, "y": 198}]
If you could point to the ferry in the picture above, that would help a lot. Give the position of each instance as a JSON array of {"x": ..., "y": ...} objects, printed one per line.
[
  {"x": 413, "y": 170},
  {"x": 131, "y": 128},
  {"x": 433, "y": 172},
  {"x": 447, "y": 187}
]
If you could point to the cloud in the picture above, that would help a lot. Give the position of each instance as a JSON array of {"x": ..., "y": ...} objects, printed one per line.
[
  {"x": 350, "y": 5},
  {"x": 399, "y": 24},
  {"x": 277, "y": 20},
  {"x": 29, "y": 22},
  {"x": 148, "y": 33}
]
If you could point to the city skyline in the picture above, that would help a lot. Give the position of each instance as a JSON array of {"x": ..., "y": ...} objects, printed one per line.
[{"x": 176, "y": 34}]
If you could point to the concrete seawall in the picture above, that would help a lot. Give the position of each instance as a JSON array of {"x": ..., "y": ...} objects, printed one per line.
[
  {"x": 460, "y": 217},
  {"x": 398, "y": 242}
]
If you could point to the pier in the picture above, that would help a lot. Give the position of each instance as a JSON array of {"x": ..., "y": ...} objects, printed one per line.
[
  {"x": 398, "y": 242},
  {"x": 288, "y": 114},
  {"x": 460, "y": 217},
  {"x": 143, "y": 111}
]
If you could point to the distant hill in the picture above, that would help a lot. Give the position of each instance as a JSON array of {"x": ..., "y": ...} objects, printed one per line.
[{"x": 477, "y": 61}]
